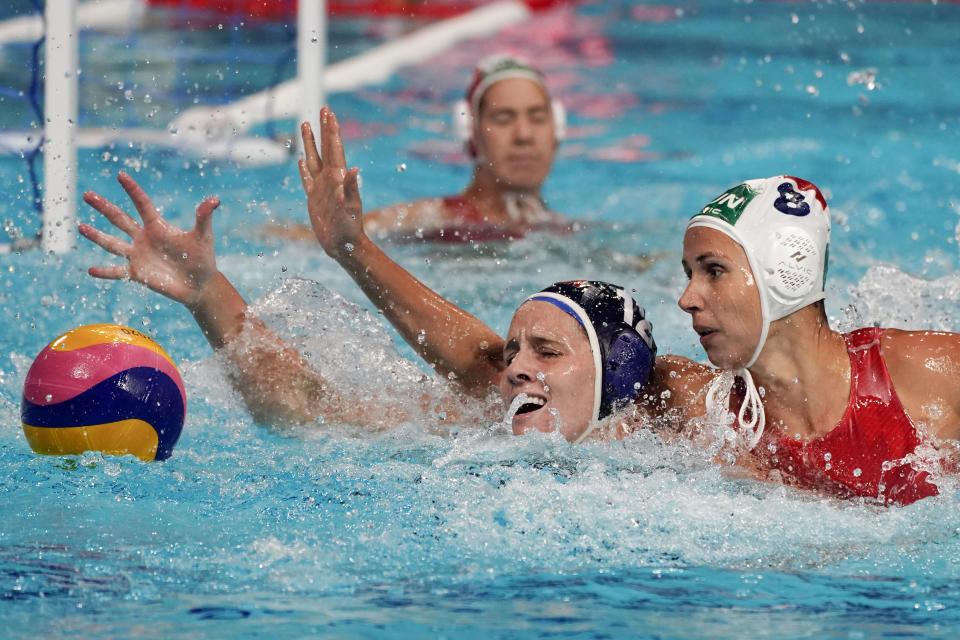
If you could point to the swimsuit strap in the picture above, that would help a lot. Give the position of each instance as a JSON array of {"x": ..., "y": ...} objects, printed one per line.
[
  {"x": 863, "y": 348},
  {"x": 863, "y": 339}
]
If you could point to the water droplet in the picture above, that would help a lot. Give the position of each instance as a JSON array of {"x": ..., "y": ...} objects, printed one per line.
[
  {"x": 827, "y": 456},
  {"x": 401, "y": 167},
  {"x": 857, "y": 472}
]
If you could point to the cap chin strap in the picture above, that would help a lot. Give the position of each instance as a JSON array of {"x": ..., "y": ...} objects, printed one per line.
[
  {"x": 751, "y": 401},
  {"x": 718, "y": 394},
  {"x": 718, "y": 399},
  {"x": 525, "y": 208}
]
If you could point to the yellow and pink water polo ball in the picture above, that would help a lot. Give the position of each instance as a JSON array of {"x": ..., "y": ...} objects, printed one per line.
[{"x": 103, "y": 387}]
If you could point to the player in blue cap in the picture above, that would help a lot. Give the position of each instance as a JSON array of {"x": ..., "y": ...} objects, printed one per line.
[
  {"x": 576, "y": 352},
  {"x": 845, "y": 414}
]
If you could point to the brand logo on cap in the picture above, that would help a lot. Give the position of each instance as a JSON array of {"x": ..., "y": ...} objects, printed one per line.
[
  {"x": 790, "y": 201},
  {"x": 730, "y": 204}
]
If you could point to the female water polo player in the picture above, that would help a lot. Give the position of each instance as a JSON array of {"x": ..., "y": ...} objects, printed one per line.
[
  {"x": 848, "y": 415},
  {"x": 510, "y": 128},
  {"x": 575, "y": 354},
  {"x": 852, "y": 413}
]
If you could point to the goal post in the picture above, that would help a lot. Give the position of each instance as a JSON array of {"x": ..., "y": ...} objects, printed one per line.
[
  {"x": 60, "y": 113},
  {"x": 311, "y": 60}
]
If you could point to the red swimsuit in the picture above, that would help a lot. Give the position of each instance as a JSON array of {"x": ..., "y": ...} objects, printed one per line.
[
  {"x": 467, "y": 224},
  {"x": 862, "y": 455}
]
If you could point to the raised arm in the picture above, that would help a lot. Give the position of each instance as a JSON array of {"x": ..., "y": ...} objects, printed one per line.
[
  {"x": 275, "y": 381},
  {"x": 451, "y": 340}
]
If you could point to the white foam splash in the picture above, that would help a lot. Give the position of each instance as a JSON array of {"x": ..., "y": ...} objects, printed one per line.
[{"x": 519, "y": 401}]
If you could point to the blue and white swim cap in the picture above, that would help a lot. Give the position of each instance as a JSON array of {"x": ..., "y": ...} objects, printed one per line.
[{"x": 621, "y": 340}]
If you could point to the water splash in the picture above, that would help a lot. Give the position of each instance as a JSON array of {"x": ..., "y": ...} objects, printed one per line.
[{"x": 507, "y": 423}]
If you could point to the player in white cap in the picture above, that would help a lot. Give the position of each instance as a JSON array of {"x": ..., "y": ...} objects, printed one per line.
[
  {"x": 857, "y": 414},
  {"x": 510, "y": 128},
  {"x": 848, "y": 413}
]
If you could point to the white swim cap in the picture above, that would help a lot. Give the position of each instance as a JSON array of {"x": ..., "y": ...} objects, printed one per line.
[{"x": 783, "y": 225}]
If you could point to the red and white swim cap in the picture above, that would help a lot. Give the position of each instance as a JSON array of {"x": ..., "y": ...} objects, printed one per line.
[{"x": 489, "y": 71}]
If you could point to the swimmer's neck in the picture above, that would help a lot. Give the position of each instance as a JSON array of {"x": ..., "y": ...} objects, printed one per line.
[
  {"x": 485, "y": 190},
  {"x": 803, "y": 365},
  {"x": 502, "y": 206}
]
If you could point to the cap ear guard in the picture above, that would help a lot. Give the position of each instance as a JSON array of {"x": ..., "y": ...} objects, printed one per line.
[
  {"x": 462, "y": 119},
  {"x": 793, "y": 264},
  {"x": 625, "y": 370}
]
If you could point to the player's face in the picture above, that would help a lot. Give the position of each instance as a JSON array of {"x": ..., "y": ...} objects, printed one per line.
[
  {"x": 548, "y": 357},
  {"x": 721, "y": 297},
  {"x": 515, "y": 137}
]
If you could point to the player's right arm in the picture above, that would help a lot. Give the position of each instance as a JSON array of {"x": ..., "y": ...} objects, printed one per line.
[{"x": 452, "y": 341}]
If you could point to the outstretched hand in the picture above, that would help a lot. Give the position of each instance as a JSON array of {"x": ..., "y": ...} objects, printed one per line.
[
  {"x": 333, "y": 195},
  {"x": 169, "y": 260}
]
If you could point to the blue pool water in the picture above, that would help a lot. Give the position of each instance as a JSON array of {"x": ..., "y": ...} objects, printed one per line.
[{"x": 459, "y": 531}]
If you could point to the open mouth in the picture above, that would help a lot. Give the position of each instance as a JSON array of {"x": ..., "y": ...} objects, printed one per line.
[{"x": 531, "y": 404}]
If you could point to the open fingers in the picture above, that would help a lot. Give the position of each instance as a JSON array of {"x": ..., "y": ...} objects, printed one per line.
[
  {"x": 110, "y": 273},
  {"x": 148, "y": 213},
  {"x": 114, "y": 245},
  {"x": 351, "y": 187},
  {"x": 306, "y": 178},
  {"x": 331, "y": 146},
  {"x": 117, "y": 216}
]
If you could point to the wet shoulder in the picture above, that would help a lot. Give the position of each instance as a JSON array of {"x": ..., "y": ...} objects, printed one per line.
[
  {"x": 920, "y": 352},
  {"x": 678, "y": 382},
  {"x": 406, "y": 216},
  {"x": 924, "y": 367}
]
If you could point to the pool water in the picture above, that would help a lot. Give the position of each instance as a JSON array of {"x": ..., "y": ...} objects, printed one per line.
[{"x": 440, "y": 530}]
